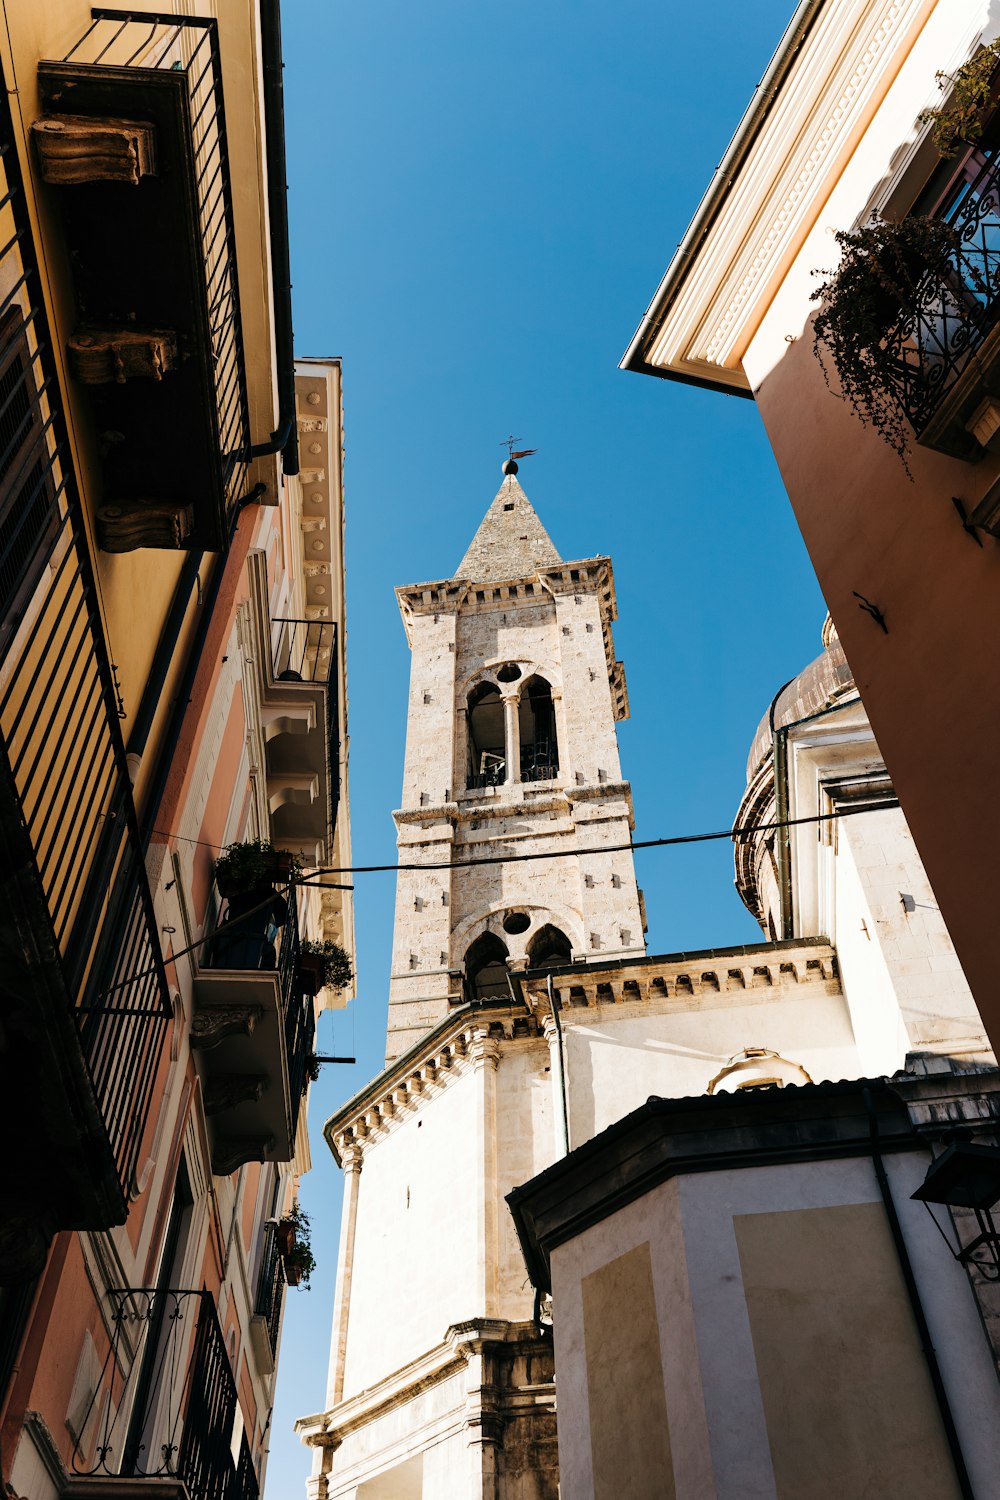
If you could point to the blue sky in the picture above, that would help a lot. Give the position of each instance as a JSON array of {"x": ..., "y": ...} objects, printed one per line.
[{"x": 483, "y": 198}]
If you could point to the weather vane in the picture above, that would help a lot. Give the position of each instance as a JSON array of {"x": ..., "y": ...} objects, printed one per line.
[{"x": 513, "y": 454}]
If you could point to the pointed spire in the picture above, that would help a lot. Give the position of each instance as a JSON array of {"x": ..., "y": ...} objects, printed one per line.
[{"x": 511, "y": 541}]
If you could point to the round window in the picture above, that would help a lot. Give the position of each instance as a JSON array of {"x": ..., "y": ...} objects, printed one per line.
[
  {"x": 516, "y": 921},
  {"x": 509, "y": 673}
]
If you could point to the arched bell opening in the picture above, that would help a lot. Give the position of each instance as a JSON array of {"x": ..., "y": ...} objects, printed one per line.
[
  {"x": 486, "y": 968},
  {"x": 548, "y": 948},
  {"x": 487, "y": 740},
  {"x": 536, "y": 721}
]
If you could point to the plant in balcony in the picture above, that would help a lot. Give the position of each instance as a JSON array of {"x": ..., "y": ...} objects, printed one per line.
[
  {"x": 294, "y": 1231},
  {"x": 960, "y": 122},
  {"x": 322, "y": 964},
  {"x": 312, "y": 1070},
  {"x": 252, "y": 866},
  {"x": 889, "y": 274}
]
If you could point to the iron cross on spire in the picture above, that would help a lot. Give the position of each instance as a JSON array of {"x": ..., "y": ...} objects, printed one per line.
[{"x": 509, "y": 442}]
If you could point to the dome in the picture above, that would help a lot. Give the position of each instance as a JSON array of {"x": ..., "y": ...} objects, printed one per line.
[{"x": 822, "y": 683}]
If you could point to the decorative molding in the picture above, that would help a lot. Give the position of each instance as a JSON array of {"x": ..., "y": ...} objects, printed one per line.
[
  {"x": 100, "y": 356},
  {"x": 747, "y": 976},
  {"x": 125, "y": 525},
  {"x": 231, "y": 1152},
  {"x": 226, "y": 1090},
  {"x": 786, "y": 161},
  {"x": 73, "y": 149},
  {"x": 211, "y": 1024}
]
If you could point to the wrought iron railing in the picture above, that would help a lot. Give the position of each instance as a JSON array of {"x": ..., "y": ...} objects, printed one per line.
[
  {"x": 306, "y": 651},
  {"x": 176, "y": 1415},
  {"x": 540, "y": 761},
  {"x": 190, "y": 45},
  {"x": 956, "y": 302},
  {"x": 298, "y": 1013},
  {"x": 270, "y": 1287},
  {"x": 490, "y": 775},
  {"x": 60, "y": 738},
  {"x": 268, "y": 940}
]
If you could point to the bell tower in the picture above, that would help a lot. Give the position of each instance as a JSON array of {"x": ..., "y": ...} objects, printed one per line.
[{"x": 511, "y": 771}]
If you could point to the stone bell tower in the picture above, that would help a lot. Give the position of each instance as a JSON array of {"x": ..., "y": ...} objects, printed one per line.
[
  {"x": 511, "y": 751},
  {"x": 514, "y": 862}
]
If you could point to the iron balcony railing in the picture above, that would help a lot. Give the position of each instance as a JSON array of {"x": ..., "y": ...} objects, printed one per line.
[
  {"x": 139, "y": 47},
  {"x": 268, "y": 940},
  {"x": 176, "y": 1413},
  {"x": 298, "y": 1013},
  {"x": 306, "y": 651},
  {"x": 271, "y": 1288},
  {"x": 63, "y": 775},
  {"x": 539, "y": 761},
  {"x": 957, "y": 302}
]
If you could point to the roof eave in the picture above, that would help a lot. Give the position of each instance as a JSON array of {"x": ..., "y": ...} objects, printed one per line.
[{"x": 712, "y": 203}]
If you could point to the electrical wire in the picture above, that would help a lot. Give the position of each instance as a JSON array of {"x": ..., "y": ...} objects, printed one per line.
[{"x": 735, "y": 832}]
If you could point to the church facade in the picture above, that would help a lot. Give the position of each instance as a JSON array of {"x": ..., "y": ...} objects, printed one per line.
[{"x": 527, "y": 1024}]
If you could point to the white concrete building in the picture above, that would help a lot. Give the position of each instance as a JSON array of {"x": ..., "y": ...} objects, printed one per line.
[{"x": 525, "y": 1018}]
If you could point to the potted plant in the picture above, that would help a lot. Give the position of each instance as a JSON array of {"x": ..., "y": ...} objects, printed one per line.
[
  {"x": 960, "y": 121},
  {"x": 246, "y": 868},
  {"x": 311, "y": 1071},
  {"x": 284, "y": 1236},
  {"x": 888, "y": 274},
  {"x": 298, "y": 1259},
  {"x": 322, "y": 964}
]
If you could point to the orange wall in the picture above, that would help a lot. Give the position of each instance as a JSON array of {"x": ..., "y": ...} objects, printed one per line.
[{"x": 932, "y": 685}]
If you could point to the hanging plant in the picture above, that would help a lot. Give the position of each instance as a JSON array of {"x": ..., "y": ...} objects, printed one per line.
[
  {"x": 298, "y": 1259},
  {"x": 960, "y": 122},
  {"x": 313, "y": 1066},
  {"x": 322, "y": 964},
  {"x": 887, "y": 273},
  {"x": 254, "y": 865}
]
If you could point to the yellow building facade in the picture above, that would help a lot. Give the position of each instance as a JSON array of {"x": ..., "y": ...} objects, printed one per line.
[{"x": 172, "y": 687}]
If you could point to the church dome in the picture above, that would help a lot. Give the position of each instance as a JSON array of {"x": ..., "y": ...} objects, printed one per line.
[
  {"x": 822, "y": 684},
  {"x": 819, "y": 685}
]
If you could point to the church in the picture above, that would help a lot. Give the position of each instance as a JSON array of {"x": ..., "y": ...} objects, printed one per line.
[{"x": 681, "y": 1186}]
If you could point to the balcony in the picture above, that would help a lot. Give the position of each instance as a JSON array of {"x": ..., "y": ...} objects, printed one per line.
[
  {"x": 86, "y": 1005},
  {"x": 947, "y": 349},
  {"x": 132, "y": 141},
  {"x": 175, "y": 1419},
  {"x": 265, "y": 1324},
  {"x": 253, "y": 1032},
  {"x": 300, "y": 723}
]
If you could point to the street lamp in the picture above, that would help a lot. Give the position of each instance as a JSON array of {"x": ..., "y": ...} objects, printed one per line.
[{"x": 968, "y": 1176}]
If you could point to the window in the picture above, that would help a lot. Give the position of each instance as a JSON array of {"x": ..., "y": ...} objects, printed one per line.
[
  {"x": 486, "y": 968},
  {"x": 487, "y": 747},
  {"x": 549, "y": 948},
  {"x": 537, "y": 731}
]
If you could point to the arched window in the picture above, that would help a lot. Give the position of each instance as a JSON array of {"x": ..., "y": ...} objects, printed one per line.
[
  {"x": 537, "y": 731},
  {"x": 548, "y": 948},
  {"x": 486, "y": 968},
  {"x": 487, "y": 750}
]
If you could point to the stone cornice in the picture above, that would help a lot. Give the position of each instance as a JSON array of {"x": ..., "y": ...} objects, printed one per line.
[
  {"x": 756, "y": 971},
  {"x": 463, "y": 1041},
  {"x": 472, "y": 1035},
  {"x": 462, "y": 1342},
  {"x": 480, "y": 806},
  {"x": 832, "y": 69}
]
